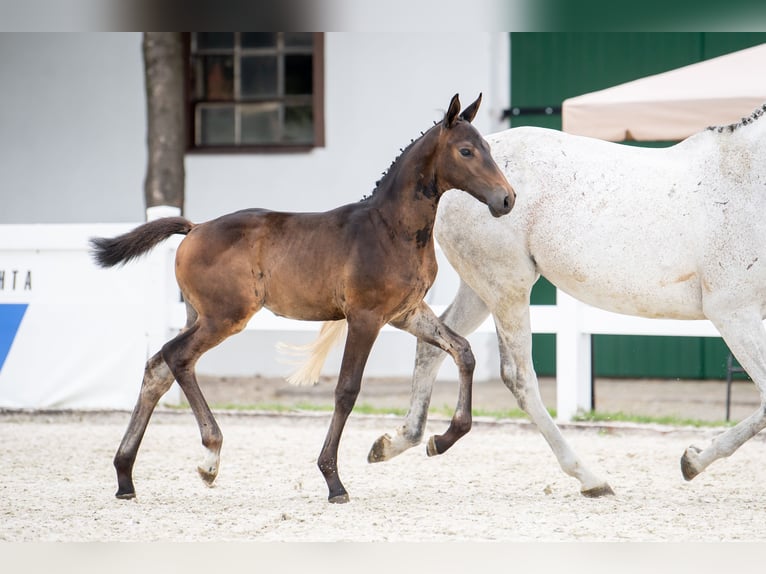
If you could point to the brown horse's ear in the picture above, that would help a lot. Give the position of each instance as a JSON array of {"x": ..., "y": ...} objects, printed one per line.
[
  {"x": 452, "y": 112},
  {"x": 470, "y": 112}
]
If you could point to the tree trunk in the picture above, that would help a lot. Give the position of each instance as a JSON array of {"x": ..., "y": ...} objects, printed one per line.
[{"x": 166, "y": 126}]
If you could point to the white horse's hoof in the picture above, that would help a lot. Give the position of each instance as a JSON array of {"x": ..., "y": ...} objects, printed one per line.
[
  {"x": 387, "y": 447},
  {"x": 381, "y": 449},
  {"x": 598, "y": 491},
  {"x": 690, "y": 466}
]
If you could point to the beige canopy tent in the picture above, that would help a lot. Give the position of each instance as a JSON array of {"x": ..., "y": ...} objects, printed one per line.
[{"x": 675, "y": 104}]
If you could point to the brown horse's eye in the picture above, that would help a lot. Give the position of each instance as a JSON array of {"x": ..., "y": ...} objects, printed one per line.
[{"x": 465, "y": 152}]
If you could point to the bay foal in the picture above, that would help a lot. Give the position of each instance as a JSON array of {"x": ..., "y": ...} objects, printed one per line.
[{"x": 369, "y": 263}]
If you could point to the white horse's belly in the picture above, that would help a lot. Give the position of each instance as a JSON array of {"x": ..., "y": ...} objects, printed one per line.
[
  {"x": 617, "y": 261},
  {"x": 676, "y": 296}
]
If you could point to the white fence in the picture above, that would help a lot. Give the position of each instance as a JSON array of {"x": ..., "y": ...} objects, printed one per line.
[
  {"x": 71, "y": 335},
  {"x": 76, "y": 336},
  {"x": 574, "y": 322}
]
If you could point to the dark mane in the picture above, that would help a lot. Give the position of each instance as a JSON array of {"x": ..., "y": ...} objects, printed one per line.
[
  {"x": 385, "y": 176},
  {"x": 743, "y": 122}
]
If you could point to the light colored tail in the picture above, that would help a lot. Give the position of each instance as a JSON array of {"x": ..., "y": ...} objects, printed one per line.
[{"x": 309, "y": 369}]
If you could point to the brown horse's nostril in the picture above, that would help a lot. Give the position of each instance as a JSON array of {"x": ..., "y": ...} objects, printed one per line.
[{"x": 507, "y": 202}]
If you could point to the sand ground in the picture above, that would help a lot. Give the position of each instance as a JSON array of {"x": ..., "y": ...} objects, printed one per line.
[{"x": 499, "y": 483}]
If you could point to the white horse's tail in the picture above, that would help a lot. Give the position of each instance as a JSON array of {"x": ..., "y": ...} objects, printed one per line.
[{"x": 309, "y": 369}]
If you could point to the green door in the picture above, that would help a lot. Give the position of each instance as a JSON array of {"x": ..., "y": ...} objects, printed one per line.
[{"x": 547, "y": 68}]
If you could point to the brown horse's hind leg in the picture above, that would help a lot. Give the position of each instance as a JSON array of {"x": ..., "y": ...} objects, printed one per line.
[
  {"x": 181, "y": 355},
  {"x": 157, "y": 380},
  {"x": 361, "y": 336},
  {"x": 425, "y": 325}
]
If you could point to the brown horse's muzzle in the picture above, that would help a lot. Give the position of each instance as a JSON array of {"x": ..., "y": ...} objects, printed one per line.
[{"x": 502, "y": 201}]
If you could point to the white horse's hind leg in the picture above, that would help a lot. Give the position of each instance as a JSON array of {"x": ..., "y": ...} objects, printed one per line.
[
  {"x": 463, "y": 316},
  {"x": 516, "y": 369},
  {"x": 744, "y": 334}
]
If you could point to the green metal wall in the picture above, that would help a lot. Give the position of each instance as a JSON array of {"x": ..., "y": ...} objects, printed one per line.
[{"x": 547, "y": 68}]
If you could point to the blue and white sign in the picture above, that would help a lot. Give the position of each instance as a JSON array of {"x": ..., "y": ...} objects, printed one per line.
[
  {"x": 72, "y": 335},
  {"x": 11, "y": 315}
]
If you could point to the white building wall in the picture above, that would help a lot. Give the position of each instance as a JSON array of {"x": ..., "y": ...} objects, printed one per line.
[{"x": 72, "y": 128}]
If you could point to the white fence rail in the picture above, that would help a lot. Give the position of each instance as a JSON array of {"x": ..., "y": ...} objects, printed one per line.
[
  {"x": 574, "y": 324},
  {"x": 86, "y": 332}
]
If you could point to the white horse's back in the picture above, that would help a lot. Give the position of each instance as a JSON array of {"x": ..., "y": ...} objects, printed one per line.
[{"x": 639, "y": 231}]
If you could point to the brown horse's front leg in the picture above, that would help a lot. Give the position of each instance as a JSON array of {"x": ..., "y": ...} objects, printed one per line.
[
  {"x": 426, "y": 326},
  {"x": 361, "y": 336},
  {"x": 462, "y": 419}
]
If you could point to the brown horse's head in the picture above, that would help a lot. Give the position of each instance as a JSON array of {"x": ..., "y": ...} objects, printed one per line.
[{"x": 465, "y": 161}]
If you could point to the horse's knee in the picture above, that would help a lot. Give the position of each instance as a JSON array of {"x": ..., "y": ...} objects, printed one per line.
[
  {"x": 157, "y": 378},
  {"x": 427, "y": 352},
  {"x": 465, "y": 358},
  {"x": 154, "y": 387},
  {"x": 171, "y": 358}
]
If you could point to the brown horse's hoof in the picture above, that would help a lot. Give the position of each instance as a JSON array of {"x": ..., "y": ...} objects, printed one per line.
[
  {"x": 688, "y": 469},
  {"x": 431, "y": 448},
  {"x": 125, "y": 495},
  {"x": 339, "y": 499},
  {"x": 598, "y": 491}
]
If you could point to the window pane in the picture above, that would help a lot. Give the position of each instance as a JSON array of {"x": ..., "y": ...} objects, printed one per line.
[
  {"x": 259, "y": 76},
  {"x": 215, "y": 40},
  {"x": 253, "y": 89},
  {"x": 260, "y": 124},
  {"x": 299, "y": 39},
  {"x": 299, "y": 124},
  {"x": 217, "y": 125},
  {"x": 218, "y": 78},
  {"x": 298, "y": 74},
  {"x": 258, "y": 40}
]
